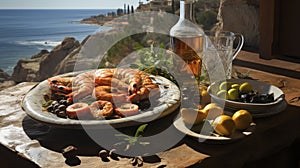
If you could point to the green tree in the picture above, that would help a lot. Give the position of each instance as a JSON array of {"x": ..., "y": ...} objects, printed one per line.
[
  {"x": 207, "y": 19},
  {"x": 120, "y": 12}
]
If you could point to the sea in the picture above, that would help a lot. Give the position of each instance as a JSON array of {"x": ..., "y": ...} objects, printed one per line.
[{"x": 24, "y": 33}]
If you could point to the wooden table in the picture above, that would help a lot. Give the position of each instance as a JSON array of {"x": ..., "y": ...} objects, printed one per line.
[{"x": 275, "y": 142}]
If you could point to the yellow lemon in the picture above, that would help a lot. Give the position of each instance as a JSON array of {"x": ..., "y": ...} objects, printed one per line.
[
  {"x": 224, "y": 125},
  {"x": 212, "y": 111},
  {"x": 205, "y": 97},
  {"x": 242, "y": 119},
  {"x": 192, "y": 116},
  {"x": 245, "y": 87}
]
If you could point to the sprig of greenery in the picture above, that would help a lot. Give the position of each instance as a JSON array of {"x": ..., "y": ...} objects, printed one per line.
[
  {"x": 156, "y": 62},
  {"x": 132, "y": 140}
]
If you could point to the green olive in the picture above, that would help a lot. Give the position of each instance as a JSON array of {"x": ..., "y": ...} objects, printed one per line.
[
  {"x": 233, "y": 94},
  {"x": 235, "y": 86},
  {"x": 245, "y": 87},
  {"x": 224, "y": 85},
  {"x": 222, "y": 94}
]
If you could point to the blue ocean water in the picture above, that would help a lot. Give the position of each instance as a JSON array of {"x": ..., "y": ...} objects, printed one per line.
[{"x": 24, "y": 33}]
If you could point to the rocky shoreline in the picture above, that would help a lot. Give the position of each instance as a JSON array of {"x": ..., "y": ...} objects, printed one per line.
[
  {"x": 43, "y": 65},
  {"x": 97, "y": 20}
]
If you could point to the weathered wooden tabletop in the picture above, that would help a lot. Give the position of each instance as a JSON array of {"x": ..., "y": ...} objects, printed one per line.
[{"x": 276, "y": 140}]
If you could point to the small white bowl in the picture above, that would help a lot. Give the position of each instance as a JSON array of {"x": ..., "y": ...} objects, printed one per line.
[{"x": 259, "y": 109}]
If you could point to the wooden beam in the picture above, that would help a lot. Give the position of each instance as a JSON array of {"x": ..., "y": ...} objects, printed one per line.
[{"x": 267, "y": 21}]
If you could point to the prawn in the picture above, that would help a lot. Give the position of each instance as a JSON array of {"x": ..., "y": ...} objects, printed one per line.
[
  {"x": 109, "y": 93},
  {"x": 142, "y": 87},
  {"x": 115, "y": 84},
  {"x": 139, "y": 85},
  {"x": 85, "y": 84},
  {"x": 73, "y": 88}
]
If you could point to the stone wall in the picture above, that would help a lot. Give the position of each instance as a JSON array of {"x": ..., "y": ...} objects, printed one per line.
[{"x": 241, "y": 16}]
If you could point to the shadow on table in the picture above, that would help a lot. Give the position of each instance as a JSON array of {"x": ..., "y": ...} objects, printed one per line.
[
  {"x": 268, "y": 146},
  {"x": 56, "y": 139}
]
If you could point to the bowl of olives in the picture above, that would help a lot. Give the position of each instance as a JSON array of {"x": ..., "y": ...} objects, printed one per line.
[{"x": 251, "y": 95}]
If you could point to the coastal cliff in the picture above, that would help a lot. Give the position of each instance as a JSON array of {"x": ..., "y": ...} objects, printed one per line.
[{"x": 44, "y": 64}]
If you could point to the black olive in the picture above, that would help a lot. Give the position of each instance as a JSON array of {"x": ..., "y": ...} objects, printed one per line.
[
  {"x": 243, "y": 98},
  {"x": 62, "y": 114},
  {"x": 50, "y": 108},
  {"x": 62, "y": 107},
  {"x": 63, "y": 102},
  {"x": 55, "y": 106},
  {"x": 56, "y": 111}
]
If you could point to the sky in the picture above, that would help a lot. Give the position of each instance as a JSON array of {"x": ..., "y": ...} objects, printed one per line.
[{"x": 67, "y": 4}]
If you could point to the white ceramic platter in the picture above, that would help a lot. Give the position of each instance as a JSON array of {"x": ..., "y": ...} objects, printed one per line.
[{"x": 168, "y": 102}]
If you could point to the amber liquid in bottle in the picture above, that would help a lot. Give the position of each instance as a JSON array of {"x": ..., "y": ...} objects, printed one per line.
[{"x": 190, "y": 49}]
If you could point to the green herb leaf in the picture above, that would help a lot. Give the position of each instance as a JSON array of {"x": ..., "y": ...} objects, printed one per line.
[
  {"x": 47, "y": 104},
  {"x": 140, "y": 130}
]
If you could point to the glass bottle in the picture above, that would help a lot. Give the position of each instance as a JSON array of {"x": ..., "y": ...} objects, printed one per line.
[{"x": 187, "y": 39}]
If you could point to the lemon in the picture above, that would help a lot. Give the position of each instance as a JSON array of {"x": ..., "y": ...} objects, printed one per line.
[
  {"x": 245, "y": 87},
  {"x": 205, "y": 97},
  {"x": 224, "y": 125},
  {"x": 192, "y": 116},
  {"x": 212, "y": 111},
  {"x": 222, "y": 94},
  {"x": 242, "y": 119},
  {"x": 233, "y": 94}
]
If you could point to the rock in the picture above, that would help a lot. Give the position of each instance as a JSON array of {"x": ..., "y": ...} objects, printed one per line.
[
  {"x": 68, "y": 64},
  {"x": 49, "y": 63},
  {"x": 42, "y": 65},
  {"x": 241, "y": 16},
  {"x": 40, "y": 54},
  {"x": 26, "y": 70},
  {"x": 5, "y": 80},
  {"x": 4, "y": 76}
]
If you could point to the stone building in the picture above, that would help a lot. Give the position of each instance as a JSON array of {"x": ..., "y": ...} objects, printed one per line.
[{"x": 155, "y": 5}]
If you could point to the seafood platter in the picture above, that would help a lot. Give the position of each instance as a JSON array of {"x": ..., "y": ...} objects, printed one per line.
[{"x": 101, "y": 98}]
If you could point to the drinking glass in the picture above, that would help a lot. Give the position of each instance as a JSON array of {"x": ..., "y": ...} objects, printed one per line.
[{"x": 222, "y": 43}]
